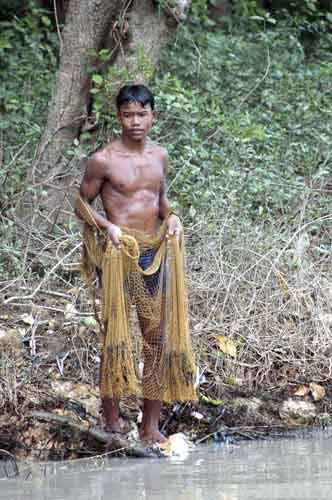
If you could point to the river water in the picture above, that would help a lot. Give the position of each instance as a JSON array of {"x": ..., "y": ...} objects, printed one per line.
[{"x": 287, "y": 469}]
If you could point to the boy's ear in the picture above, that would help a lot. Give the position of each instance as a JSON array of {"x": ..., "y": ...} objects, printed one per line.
[{"x": 155, "y": 115}]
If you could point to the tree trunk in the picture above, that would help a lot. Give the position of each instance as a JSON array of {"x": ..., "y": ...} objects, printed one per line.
[
  {"x": 88, "y": 22},
  {"x": 149, "y": 31}
]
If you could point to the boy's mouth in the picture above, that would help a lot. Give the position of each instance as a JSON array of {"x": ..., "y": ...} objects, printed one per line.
[{"x": 136, "y": 132}]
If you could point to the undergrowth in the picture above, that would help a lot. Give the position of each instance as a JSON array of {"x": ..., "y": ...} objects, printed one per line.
[{"x": 246, "y": 117}]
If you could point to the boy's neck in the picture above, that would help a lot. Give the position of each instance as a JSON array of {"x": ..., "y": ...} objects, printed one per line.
[{"x": 134, "y": 146}]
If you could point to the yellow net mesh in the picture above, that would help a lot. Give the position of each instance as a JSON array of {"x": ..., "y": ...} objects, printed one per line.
[{"x": 147, "y": 274}]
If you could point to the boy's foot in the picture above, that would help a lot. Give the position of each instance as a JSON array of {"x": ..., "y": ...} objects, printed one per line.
[
  {"x": 152, "y": 436},
  {"x": 149, "y": 431},
  {"x": 117, "y": 425}
]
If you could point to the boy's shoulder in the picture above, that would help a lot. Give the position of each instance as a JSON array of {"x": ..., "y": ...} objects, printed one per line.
[
  {"x": 112, "y": 150},
  {"x": 158, "y": 150},
  {"x": 105, "y": 153}
]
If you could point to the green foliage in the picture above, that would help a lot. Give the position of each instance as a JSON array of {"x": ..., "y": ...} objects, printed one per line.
[
  {"x": 246, "y": 119},
  {"x": 246, "y": 116},
  {"x": 28, "y": 61},
  {"x": 306, "y": 16},
  {"x": 244, "y": 8},
  {"x": 247, "y": 122}
]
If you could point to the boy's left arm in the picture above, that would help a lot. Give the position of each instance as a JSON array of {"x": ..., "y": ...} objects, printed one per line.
[{"x": 174, "y": 226}]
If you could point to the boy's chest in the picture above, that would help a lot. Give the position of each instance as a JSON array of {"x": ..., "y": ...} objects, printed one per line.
[{"x": 132, "y": 174}]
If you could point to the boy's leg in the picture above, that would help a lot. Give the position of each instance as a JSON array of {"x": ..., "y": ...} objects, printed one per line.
[
  {"x": 111, "y": 414},
  {"x": 110, "y": 406},
  {"x": 153, "y": 340},
  {"x": 152, "y": 387},
  {"x": 150, "y": 423}
]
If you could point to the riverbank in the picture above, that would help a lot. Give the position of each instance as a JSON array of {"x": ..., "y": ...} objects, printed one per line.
[
  {"x": 50, "y": 404},
  {"x": 261, "y": 327},
  {"x": 67, "y": 431}
]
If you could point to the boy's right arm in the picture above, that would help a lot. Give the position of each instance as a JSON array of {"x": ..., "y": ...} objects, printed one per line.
[{"x": 90, "y": 188}]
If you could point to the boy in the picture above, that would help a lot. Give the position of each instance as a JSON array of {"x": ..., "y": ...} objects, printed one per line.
[{"x": 129, "y": 176}]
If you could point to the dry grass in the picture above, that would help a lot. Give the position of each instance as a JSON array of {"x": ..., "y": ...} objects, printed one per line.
[{"x": 269, "y": 290}]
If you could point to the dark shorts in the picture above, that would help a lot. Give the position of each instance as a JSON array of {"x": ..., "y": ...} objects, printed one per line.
[{"x": 152, "y": 282}]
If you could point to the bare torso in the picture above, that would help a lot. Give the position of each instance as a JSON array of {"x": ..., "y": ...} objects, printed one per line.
[
  {"x": 131, "y": 189},
  {"x": 131, "y": 184}
]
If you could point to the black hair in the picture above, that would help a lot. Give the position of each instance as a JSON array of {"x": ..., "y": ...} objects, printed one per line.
[{"x": 135, "y": 93}]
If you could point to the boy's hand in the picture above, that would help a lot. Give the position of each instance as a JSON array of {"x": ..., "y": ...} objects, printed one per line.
[
  {"x": 114, "y": 234},
  {"x": 174, "y": 226}
]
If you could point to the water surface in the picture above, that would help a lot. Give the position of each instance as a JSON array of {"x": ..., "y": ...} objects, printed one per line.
[{"x": 291, "y": 469}]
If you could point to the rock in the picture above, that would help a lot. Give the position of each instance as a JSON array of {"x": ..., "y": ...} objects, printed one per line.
[
  {"x": 250, "y": 411},
  {"x": 317, "y": 391},
  {"x": 301, "y": 391},
  {"x": 28, "y": 319},
  {"x": 91, "y": 322},
  {"x": 197, "y": 415},
  {"x": 297, "y": 411},
  {"x": 81, "y": 393},
  {"x": 252, "y": 403},
  {"x": 11, "y": 340}
]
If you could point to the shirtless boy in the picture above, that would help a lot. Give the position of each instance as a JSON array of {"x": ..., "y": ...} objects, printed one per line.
[{"x": 129, "y": 176}]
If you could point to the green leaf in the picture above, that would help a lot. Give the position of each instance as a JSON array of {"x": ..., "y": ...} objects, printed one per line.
[
  {"x": 270, "y": 19},
  {"x": 257, "y": 18},
  {"x": 4, "y": 44},
  {"x": 104, "y": 54},
  {"x": 98, "y": 79},
  {"x": 211, "y": 401},
  {"x": 46, "y": 21},
  {"x": 232, "y": 381},
  {"x": 226, "y": 345}
]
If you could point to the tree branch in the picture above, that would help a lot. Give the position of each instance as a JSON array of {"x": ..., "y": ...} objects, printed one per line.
[{"x": 114, "y": 442}]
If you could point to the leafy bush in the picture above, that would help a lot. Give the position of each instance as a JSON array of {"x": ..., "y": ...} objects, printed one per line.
[
  {"x": 245, "y": 116},
  {"x": 247, "y": 120},
  {"x": 28, "y": 62}
]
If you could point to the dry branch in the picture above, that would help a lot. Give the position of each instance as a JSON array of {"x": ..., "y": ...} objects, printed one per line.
[{"x": 113, "y": 441}]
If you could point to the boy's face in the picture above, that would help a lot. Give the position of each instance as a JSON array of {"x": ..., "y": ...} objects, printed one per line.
[{"x": 136, "y": 120}]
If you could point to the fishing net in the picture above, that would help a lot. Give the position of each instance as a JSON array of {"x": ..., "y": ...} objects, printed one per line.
[{"x": 146, "y": 275}]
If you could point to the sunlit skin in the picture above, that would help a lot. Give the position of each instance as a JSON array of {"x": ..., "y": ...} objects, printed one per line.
[{"x": 129, "y": 176}]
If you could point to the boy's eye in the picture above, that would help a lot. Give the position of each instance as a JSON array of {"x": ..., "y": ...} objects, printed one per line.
[{"x": 128, "y": 115}]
